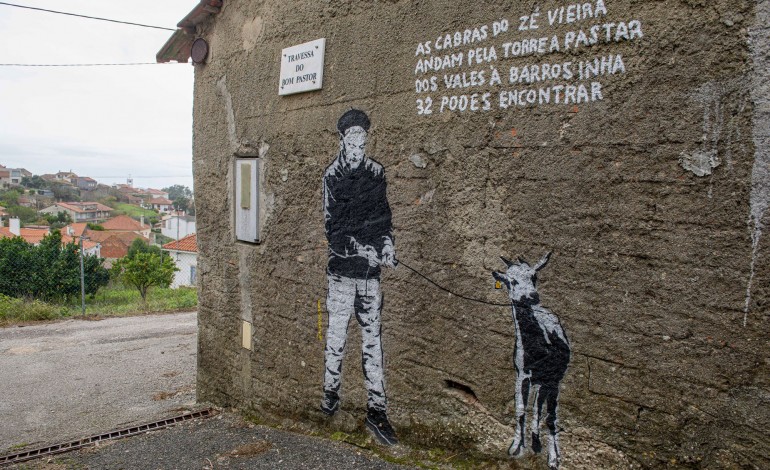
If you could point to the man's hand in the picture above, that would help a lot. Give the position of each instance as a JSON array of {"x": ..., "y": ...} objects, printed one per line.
[
  {"x": 388, "y": 254},
  {"x": 366, "y": 251},
  {"x": 370, "y": 254}
]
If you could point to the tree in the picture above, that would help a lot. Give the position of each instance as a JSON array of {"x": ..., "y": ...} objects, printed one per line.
[
  {"x": 17, "y": 267},
  {"x": 49, "y": 271},
  {"x": 181, "y": 204},
  {"x": 58, "y": 220},
  {"x": 141, "y": 246},
  {"x": 34, "y": 181},
  {"x": 182, "y": 197},
  {"x": 178, "y": 191},
  {"x": 27, "y": 215},
  {"x": 10, "y": 198},
  {"x": 144, "y": 270},
  {"x": 65, "y": 192},
  {"x": 95, "y": 274}
]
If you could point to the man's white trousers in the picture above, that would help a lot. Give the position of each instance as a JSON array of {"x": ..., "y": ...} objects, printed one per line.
[{"x": 345, "y": 297}]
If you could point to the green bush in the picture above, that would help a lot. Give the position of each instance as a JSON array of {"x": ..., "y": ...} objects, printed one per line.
[{"x": 49, "y": 271}]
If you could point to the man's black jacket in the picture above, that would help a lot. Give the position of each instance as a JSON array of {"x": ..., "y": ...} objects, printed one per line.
[{"x": 355, "y": 208}]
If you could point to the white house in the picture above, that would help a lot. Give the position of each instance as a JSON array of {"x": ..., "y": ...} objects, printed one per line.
[
  {"x": 157, "y": 193},
  {"x": 184, "y": 252},
  {"x": 160, "y": 204},
  {"x": 177, "y": 226},
  {"x": 81, "y": 211}
]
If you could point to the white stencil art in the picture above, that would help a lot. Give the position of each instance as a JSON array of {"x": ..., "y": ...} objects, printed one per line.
[
  {"x": 359, "y": 231},
  {"x": 541, "y": 356}
]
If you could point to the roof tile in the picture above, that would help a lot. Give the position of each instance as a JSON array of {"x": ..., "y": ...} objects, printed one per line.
[
  {"x": 124, "y": 223},
  {"x": 188, "y": 243}
]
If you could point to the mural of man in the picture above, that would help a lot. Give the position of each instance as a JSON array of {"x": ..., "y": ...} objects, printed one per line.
[{"x": 360, "y": 235}]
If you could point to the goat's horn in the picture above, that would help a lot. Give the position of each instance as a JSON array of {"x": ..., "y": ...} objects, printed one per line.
[
  {"x": 507, "y": 263},
  {"x": 543, "y": 261}
]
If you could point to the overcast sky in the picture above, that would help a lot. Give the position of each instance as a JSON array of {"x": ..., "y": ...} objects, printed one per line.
[{"x": 103, "y": 122}]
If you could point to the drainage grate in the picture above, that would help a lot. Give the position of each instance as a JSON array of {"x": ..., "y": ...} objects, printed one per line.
[{"x": 121, "y": 433}]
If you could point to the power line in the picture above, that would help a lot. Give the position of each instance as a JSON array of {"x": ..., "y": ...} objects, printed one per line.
[
  {"x": 90, "y": 65},
  {"x": 85, "y": 16}
]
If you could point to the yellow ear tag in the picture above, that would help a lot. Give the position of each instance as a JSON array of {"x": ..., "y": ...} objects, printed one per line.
[{"x": 498, "y": 285}]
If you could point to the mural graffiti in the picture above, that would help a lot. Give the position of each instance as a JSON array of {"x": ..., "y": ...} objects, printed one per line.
[
  {"x": 470, "y": 70},
  {"x": 360, "y": 235},
  {"x": 541, "y": 356}
]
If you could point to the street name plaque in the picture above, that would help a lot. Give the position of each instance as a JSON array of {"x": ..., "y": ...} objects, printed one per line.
[{"x": 302, "y": 67}]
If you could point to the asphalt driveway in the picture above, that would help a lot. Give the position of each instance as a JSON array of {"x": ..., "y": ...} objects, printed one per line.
[
  {"x": 67, "y": 380},
  {"x": 64, "y": 381}
]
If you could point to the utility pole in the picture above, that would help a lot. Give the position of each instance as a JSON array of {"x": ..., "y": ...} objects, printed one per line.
[{"x": 82, "y": 280}]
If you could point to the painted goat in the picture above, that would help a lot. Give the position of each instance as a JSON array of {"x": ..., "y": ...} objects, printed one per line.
[{"x": 541, "y": 356}]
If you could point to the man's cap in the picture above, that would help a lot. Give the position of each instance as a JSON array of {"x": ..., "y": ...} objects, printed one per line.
[{"x": 352, "y": 118}]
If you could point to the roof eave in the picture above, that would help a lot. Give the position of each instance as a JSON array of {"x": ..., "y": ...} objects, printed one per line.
[
  {"x": 177, "y": 48},
  {"x": 179, "y": 45}
]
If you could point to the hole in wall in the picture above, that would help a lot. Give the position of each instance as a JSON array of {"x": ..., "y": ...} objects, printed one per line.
[{"x": 462, "y": 388}]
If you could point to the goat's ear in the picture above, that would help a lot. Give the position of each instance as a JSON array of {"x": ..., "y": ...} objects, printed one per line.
[
  {"x": 523, "y": 261},
  {"x": 543, "y": 261},
  {"x": 507, "y": 263},
  {"x": 500, "y": 277}
]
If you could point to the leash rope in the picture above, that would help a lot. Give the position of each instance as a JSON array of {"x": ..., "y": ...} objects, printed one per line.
[
  {"x": 470, "y": 299},
  {"x": 398, "y": 261}
]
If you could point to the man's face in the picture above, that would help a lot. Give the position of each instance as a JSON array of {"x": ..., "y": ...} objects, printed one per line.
[{"x": 354, "y": 142}]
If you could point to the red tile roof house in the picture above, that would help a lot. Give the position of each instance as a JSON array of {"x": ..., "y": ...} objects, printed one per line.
[
  {"x": 114, "y": 244},
  {"x": 184, "y": 252},
  {"x": 75, "y": 230},
  {"x": 118, "y": 235},
  {"x": 124, "y": 223},
  {"x": 81, "y": 211},
  {"x": 30, "y": 235},
  {"x": 36, "y": 235}
]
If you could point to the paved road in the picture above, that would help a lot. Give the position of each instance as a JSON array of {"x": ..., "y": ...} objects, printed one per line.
[
  {"x": 64, "y": 381},
  {"x": 67, "y": 380},
  {"x": 225, "y": 441}
]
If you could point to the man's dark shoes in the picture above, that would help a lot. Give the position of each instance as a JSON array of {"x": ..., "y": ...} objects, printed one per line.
[
  {"x": 330, "y": 403},
  {"x": 378, "y": 424}
]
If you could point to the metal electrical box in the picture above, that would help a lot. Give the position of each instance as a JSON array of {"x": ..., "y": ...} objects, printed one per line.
[{"x": 247, "y": 200}]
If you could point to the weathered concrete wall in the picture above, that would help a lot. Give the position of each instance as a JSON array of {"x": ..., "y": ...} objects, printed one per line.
[{"x": 652, "y": 196}]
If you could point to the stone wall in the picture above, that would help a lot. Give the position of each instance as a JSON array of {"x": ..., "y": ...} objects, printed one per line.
[{"x": 649, "y": 183}]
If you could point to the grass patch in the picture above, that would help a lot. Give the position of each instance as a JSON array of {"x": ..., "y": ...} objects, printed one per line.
[
  {"x": 118, "y": 300},
  {"x": 112, "y": 301},
  {"x": 14, "y": 310},
  {"x": 121, "y": 208},
  {"x": 18, "y": 446}
]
